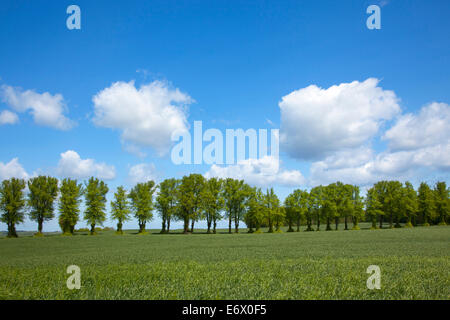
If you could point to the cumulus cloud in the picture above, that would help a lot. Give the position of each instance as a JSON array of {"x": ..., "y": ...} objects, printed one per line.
[
  {"x": 142, "y": 172},
  {"x": 12, "y": 169},
  {"x": 259, "y": 172},
  {"x": 430, "y": 127},
  {"x": 8, "y": 117},
  {"x": 146, "y": 116},
  {"x": 317, "y": 122},
  {"x": 71, "y": 165},
  {"x": 46, "y": 109},
  {"x": 362, "y": 166}
]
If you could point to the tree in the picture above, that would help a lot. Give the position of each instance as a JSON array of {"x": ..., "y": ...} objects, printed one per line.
[
  {"x": 316, "y": 202},
  {"x": 291, "y": 210},
  {"x": 357, "y": 208},
  {"x": 329, "y": 208},
  {"x": 212, "y": 202},
  {"x": 410, "y": 203},
  {"x": 373, "y": 206},
  {"x": 189, "y": 199},
  {"x": 142, "y": 203},
  {"x": 42, "y": 195},
  {"x": 344, "y": 203},
  {"x": 95, "y": 201},
  {"x": 166, "y": 202},
  {"x": 12, "y": 204},
  {"x": 240, "y": 203},
  {"x": 393, "y": 202},
  {"x": 120, "y": 208},
  {"x": 69, "y": 205},
  {"x": 229, "y": 193},
  {"x": 272, "y": 204},
  {"x": 278, "y": 217},
  {"x": 427, "y": 208},
  {"x": 255, "y": 210},
  {"x": 442, "y": 202}
]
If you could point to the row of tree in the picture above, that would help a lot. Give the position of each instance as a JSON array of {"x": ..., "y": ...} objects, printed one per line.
[{"x": 194, "y": 198}]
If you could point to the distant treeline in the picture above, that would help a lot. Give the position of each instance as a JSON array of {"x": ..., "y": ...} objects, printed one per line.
[{"x": 194, "y": 198}]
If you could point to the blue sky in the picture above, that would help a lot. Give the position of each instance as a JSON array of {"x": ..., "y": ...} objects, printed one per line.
[{"x": 233, "y": 62}]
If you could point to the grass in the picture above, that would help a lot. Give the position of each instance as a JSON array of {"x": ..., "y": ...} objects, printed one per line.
[{"x": 414, "y": 262}]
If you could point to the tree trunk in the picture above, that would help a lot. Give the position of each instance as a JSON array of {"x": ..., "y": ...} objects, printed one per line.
[
  {"x": 92, "y": 228},
  {"x": 229, "y": 223},
  {"x": 209, "y": 227},
  {"x": 318, "y": 223},
  {"x": 345, "y": 221},
  {"x": 119, "y": 227},
  {"x": 298, "y": 225},
  {"x": 168, "y": 225},
  {"x": 186, "y": 225},
  {"x": 374, "y": 222},
  {"x": 236, "y": 225},
  {"x": 40, "y": 223},
  {"x": 214, "y": 226},
  {"x": 328, "y": 224},
  {"x": 12, "y": 230},
  {"x": 270, "y": 225},
  {"x": 336, "y": 222},
  {"x": 381, "y": 221},
  {"x": 163, "y": 227},
  {"x": 192, "y": 225},
  {"x": 290, "y": 229}
]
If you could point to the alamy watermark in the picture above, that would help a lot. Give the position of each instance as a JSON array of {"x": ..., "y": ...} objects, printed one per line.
[
  {"x": 210, "y": 147},
  {"x": 74, "y": 281},
  {"x": 74, "y": 20},
  {"x": 374, "y": 280}
]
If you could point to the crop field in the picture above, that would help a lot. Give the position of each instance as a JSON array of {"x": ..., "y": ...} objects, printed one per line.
[{"x": 414, "y": 264}]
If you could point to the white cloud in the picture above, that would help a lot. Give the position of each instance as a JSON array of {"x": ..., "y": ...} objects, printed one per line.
[
  {"x": 12, "y": 169},
  {"x": 147, "y": 116},
  {"x": 47, "y": 109},
  {"x": 362, "y": 166},
  {"x": 8, "y": 117},
  {"x": 260, "y": 172},
  {"x": 317, "y": 122},
  {"x": 431, "y": 127},
  {"x": 142, "y": 172},
  {"x": 72, "y": 166}
]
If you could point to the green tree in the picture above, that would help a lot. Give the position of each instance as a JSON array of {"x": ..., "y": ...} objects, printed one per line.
[
  {"x": 357, "y": 208},
  {"x": 255, "y": 210},
  {"x": 69, "y": 205},
  {"x": 427, "y": 206},
  {"x": 344, "y": 203},
  {"x": 212, "y": 202},
  {"x": 374, "y": 206},
  {"x": 442, "y": 202},
  {"x": 316, "y": 203},
  {"x": 142, "y": 203},
  {"x": 95, "y": 202},
  {"x": 230, "y": 194},
  {"x": 329, "y": 208},
  {"x": 41, "y": 197},
  {"x": 189, "y": 199},
  {"x": 120, "y": 208},
  {"x": 166, "y": 202},
  {"x": 12, "y": 204},
  {"x": 240, "y": 203},
  {"x": 279, "y": 216},
  {"x": 272, "y": 204},
  {"x": 292, "y": 211},
  {"x": 410, "y": 203}
]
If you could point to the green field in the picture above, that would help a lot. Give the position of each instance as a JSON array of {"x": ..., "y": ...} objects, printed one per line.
[{"x": 415, "y": 264}]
